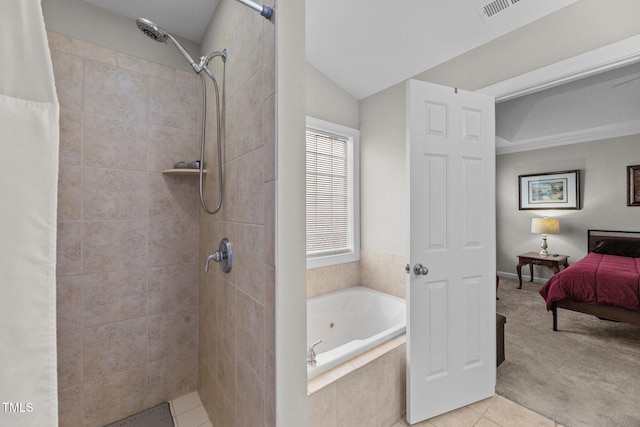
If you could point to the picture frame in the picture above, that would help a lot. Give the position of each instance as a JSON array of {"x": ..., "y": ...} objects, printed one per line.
[
  {"x": 633, "y": 185},
  {"x": 550, "y": 190}
]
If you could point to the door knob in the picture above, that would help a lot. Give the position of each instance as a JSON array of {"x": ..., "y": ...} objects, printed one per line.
[{"x": 420, "y": 270}]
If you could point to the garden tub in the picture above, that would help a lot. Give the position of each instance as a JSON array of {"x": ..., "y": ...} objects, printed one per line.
[{"x": 349, "y": 322}]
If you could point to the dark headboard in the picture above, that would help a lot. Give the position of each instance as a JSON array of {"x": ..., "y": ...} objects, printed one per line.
[{"x": 595, "y": 236}]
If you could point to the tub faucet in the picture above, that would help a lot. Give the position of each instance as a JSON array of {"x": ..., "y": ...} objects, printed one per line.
[{"x": 311, "y": 354}]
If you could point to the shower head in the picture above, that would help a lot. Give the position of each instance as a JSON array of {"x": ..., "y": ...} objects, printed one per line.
[
  {"x": 151, "y": 30},
  {"x": 156, "y": 33}
]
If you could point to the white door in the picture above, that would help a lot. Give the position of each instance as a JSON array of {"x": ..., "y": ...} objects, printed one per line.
[{"x": 451, "y": 350}]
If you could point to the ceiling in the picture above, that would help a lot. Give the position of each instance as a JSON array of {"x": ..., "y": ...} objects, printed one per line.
[
  {"x": 365, "y": 46},
  {"x": 185, "y": 18},
  {"x": 596, "y": 107}
]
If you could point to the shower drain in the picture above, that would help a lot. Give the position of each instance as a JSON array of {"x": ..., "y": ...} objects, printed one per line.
[{"x": 158, "y": 416}]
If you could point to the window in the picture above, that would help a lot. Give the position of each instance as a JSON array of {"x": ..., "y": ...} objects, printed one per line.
[{"x": 333, "y": 214}]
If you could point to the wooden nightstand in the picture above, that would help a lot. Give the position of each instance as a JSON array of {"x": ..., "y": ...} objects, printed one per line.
[{"x": 552, "y": 261}]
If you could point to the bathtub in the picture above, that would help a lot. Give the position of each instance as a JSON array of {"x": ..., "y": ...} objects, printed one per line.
[{"x": 350, "y": 322}]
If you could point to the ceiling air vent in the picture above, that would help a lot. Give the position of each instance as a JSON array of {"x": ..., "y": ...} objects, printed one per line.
[{"x": 491, "y": 8}]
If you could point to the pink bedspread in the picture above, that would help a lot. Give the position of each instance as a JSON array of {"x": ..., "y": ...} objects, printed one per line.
[{"x": 597, "y": 279}]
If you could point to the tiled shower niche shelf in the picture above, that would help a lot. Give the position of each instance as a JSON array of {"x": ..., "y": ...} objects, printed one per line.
[{"x": 183, "y": 171}]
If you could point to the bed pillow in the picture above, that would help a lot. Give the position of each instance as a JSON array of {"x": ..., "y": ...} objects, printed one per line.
[{"x": 626, "y": 248}]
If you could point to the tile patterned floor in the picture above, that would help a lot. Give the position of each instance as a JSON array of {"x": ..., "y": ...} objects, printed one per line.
[
  {"x": 495, "y": 411},
  {"x": 188, "y": 411}
]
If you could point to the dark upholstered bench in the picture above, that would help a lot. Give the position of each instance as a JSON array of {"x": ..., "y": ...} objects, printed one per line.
[{"x": 500, "y": 321}]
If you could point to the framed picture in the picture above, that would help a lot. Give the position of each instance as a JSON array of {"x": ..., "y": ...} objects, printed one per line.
[
  {"x": 633, "y": 185},
  {"x": 552, "y": 190}
]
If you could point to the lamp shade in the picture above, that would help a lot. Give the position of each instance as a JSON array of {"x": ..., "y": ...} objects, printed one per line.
[{"x": 545, "y": 225}]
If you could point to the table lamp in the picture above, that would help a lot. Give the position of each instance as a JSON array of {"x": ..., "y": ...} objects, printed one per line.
[{"x": 545, "y": 226}]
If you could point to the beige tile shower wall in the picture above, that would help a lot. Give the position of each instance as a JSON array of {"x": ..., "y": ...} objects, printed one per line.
[
  {"x": 383, "y": 272},
  {"x": 380, "y": 271},
  {"x": 128, "y": 236},
  {"x": 236, "y": 368},
  {"x": 376, "y": 270},
  {"x": 323, "y": 280}
]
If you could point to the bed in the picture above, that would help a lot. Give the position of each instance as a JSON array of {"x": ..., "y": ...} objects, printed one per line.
[{"x": 605, "y": 283}]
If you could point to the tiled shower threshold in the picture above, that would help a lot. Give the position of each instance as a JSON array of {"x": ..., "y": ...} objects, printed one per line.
[{"x": 188, "y": 411}]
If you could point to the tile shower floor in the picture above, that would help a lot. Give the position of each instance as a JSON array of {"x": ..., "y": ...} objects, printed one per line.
[
  {"x": 495, "y": 411},
  {"x": 188, "y": 411}
]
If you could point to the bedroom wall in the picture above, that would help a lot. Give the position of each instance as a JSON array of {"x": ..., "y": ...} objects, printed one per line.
[{"x": 603, "y": 173}]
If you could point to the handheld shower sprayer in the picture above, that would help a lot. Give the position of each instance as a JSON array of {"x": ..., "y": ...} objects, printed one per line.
[{"x": 156, "y": 33}]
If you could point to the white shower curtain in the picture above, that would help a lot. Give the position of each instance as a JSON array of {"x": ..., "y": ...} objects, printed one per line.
[{"x": 29, "y": 139}]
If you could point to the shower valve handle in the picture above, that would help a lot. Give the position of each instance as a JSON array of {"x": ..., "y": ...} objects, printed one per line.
[
  {"x": 224, "y": 256},
  {"x": 217, "y": 256}
]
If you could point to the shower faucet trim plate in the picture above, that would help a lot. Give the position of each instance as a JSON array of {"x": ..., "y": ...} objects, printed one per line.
[{"x": 223, "y": 256}]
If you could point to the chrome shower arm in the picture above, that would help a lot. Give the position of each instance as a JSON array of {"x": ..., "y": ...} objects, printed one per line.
[{"x": 204, "y": 60}]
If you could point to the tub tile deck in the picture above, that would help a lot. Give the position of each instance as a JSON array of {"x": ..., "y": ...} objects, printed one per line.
[
  {"x": 325, "y": 401},
  {"x": 332, "y": 375}
]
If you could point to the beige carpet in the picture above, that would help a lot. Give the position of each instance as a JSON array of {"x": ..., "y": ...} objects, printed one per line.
[{"x": 585, "y": 374}]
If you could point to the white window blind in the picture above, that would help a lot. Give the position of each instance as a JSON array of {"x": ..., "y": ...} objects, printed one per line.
[{"x": 329, "y": 193}]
